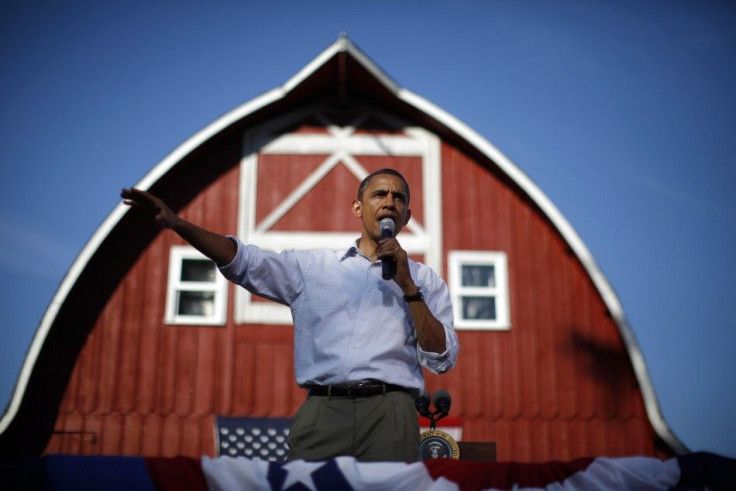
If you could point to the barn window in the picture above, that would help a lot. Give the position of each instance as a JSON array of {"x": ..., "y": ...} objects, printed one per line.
[
  {"x": 479, "y": 289},
  {"x": 197, "y": 292}
]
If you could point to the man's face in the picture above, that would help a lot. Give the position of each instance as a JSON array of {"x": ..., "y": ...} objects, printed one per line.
[{"x": 384, "y": 197}]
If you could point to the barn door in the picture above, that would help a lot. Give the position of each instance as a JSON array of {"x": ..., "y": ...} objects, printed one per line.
[{"x": 300, "y": 174}]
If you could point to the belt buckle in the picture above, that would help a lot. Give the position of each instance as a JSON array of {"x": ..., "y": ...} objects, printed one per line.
[
  {"x": 356, "y": 390},
  {"x": 360, "y": 389}
]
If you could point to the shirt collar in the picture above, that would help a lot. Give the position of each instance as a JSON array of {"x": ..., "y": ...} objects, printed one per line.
[{"x": 353, "y": 251}]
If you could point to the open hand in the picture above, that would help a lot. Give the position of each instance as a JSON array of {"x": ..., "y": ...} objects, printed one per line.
[{"x": 150, "y": 204}]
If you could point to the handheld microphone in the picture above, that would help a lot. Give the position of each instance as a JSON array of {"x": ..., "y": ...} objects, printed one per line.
[
  {"x": 387, "y": 263},
  {"x": 422, "y": 405},
  {"x": 442, "y": 401}
]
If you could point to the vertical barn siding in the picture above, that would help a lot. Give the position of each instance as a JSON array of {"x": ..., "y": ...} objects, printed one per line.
[
  {"x": 562, "y": 363},
  {"x": 143, "y": 387},
  {"x": 558, "y": 385},
  {"x": 152, "y": 313}
]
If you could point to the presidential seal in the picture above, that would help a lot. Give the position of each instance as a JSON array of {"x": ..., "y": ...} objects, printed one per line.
[{"x": 435, "y": 444}]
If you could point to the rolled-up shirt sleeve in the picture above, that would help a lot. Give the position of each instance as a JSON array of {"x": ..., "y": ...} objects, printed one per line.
[
  {"x": 441, "y": 362},
  {"x": 437, "y": 298}
]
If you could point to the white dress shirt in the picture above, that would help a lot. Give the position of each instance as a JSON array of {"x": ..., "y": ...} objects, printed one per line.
[{"x": 350, "y": 325}]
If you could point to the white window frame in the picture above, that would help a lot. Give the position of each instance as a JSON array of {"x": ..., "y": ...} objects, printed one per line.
[
  {"x": 177, "y": 255},
  {"x": 498, "y": 259}
]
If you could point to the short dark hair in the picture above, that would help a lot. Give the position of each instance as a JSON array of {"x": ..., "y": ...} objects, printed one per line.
[{"x": 364, "y": 183}]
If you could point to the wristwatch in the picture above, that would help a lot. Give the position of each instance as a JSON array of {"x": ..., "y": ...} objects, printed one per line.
[{"x": 416, "y": 297}]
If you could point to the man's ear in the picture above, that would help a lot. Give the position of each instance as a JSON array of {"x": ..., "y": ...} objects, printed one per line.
[
  {"x": 357, "y": 210},
  {"x": 408, "y": 217}
]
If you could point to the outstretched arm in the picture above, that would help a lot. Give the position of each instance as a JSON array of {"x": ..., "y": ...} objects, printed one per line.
[{"x": 215, "y": 246}]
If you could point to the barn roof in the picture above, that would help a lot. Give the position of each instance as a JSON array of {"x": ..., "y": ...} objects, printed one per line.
[{"x": 340, "y": 71}]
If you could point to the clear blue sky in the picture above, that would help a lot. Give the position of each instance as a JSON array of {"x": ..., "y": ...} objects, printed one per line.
[{"x": 623, "y": 112}]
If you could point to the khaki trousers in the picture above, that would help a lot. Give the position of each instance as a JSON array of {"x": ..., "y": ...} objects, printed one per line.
[{"x": 379, "y": 428}]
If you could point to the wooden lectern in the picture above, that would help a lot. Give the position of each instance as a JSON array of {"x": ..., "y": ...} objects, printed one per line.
[{"x": 477, "y": 451}]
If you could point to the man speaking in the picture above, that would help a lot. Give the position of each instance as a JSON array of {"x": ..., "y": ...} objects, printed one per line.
[{"x": 366, "y": 320}]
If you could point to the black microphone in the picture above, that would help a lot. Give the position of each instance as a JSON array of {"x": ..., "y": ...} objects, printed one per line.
[
  {"x": 442, "y": 401},
  {"x": 387, "y": 263},
  {"x": 422, "y": 405}
]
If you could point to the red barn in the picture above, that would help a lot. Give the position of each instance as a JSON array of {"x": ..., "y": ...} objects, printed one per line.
[{"x": 144, "y": 345}]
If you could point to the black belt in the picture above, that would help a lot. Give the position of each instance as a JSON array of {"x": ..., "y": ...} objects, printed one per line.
[{"x": 364, "y": 389}]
